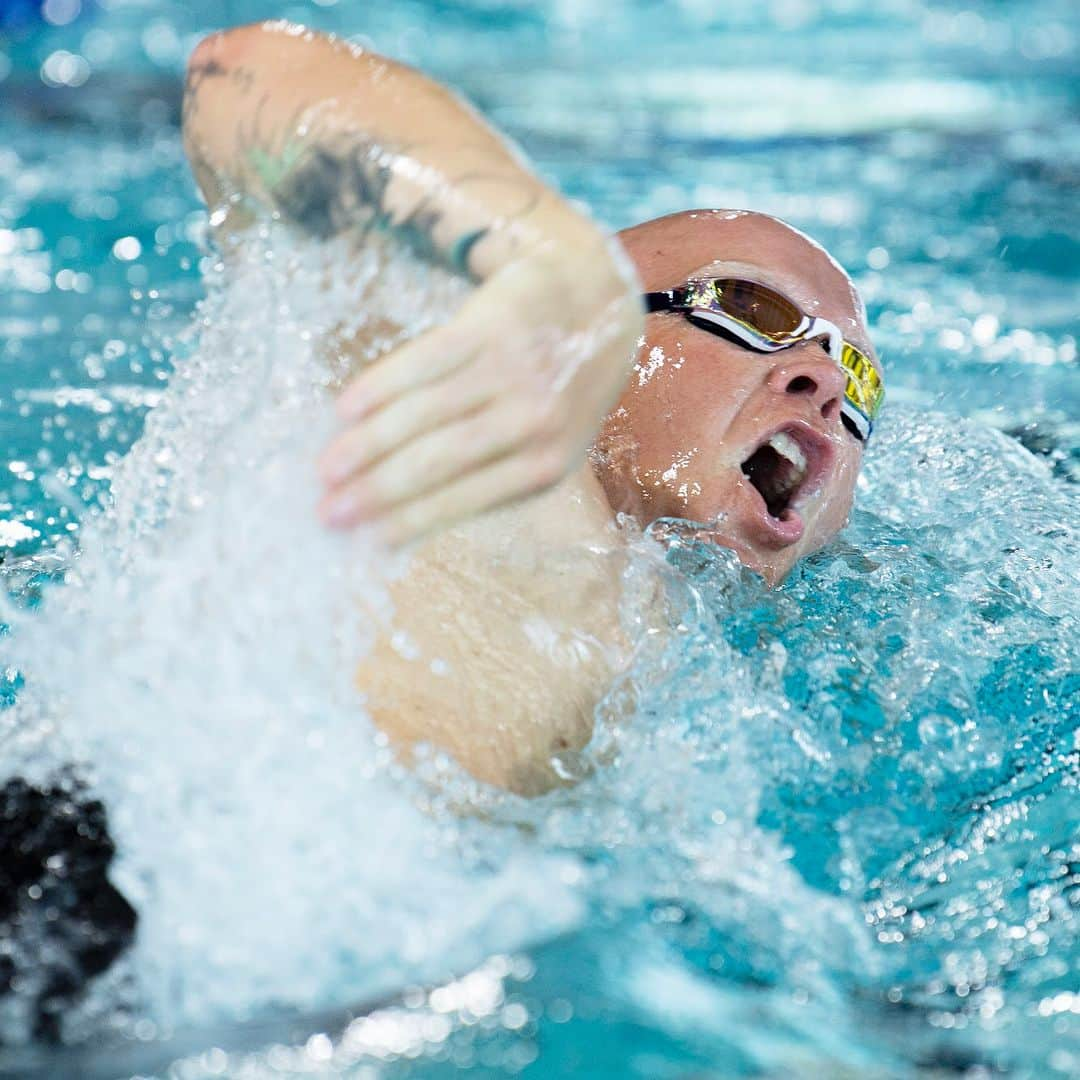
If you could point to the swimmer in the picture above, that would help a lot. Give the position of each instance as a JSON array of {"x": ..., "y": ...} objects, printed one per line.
[{"x": 711, "y": 365}]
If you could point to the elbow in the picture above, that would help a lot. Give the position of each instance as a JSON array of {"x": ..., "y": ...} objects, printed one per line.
[
  {"x": 215, "y": 57},
  {"x": 204, "y": 65},
  {"x": 212, "y": 105},
  {"x": 225, "y": 50},
  {"x": 210, "y": 59},
  {"x": 226, "y": 47},
  {"x": 206, "y": 52}
]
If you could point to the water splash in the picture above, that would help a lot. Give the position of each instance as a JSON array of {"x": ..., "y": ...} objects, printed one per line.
[
  {"x": 824, "y": 827},
  {"x": 199, "y": 663}
]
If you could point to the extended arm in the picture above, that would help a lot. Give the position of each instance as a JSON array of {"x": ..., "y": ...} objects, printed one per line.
[
  {"x": 501, "y": 401},
  {"x": 337, "y": 139}
]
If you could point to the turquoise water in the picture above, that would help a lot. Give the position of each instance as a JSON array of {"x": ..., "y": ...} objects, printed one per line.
[{"x": 840, "y": 835}]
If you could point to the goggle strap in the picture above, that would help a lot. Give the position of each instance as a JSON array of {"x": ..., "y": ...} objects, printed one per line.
[
  {"x": 672, "y": 300},
  {"x": 858, "y": 418}
]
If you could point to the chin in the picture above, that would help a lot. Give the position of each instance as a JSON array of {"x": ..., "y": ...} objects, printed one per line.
[
  {"x": 738, "y": 527},
  {"x": 773, "y": 567}
]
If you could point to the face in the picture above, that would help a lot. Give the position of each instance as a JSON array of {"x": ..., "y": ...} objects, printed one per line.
[{"x": 749, "y": 444}]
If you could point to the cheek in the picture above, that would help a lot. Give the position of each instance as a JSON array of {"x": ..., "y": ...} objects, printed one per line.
[
  {"x": 669, "y": 435},
  {"x": 838, "y": 498},
  {"x": 685, "y": 395},
  {"x": 650, "y": 409},
  {"x": 658, "y": 360}
]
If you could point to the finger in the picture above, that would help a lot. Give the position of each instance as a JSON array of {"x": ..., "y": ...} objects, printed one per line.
[
  {"x": 427, "y": 408},
  {"x": 433, "y": 459},
  {"x": 499, "y": 482},
  {"x": 426, "y": 359}
]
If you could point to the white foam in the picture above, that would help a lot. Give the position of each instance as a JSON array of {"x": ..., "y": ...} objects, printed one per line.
[{"x": 200, "y": 659}]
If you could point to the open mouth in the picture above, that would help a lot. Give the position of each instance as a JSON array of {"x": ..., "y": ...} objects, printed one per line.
[{"x": 784, "y": 467}]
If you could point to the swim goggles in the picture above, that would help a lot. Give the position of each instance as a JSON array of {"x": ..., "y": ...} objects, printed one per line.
[{"x": 767, "y": 321}]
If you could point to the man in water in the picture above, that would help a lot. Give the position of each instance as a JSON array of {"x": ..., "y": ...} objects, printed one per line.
[{"x": 747, "y": 410}]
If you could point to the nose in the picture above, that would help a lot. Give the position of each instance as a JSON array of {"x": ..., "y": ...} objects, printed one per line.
[{"x": 807, "y": 371}]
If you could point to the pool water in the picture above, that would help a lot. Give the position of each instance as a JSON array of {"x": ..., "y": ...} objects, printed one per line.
[{"x": 840, "y": 835}]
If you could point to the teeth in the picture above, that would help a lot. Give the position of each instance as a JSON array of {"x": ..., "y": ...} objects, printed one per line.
[
  {"x": 788, "y": 448},
  {"x": 778, "y": 475}
]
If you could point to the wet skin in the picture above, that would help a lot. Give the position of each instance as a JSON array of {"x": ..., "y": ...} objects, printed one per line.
[
  {"x": 520, "y": 608},
  {"x": 445, "y": 427},
  {"x": 698, "y": 405}
]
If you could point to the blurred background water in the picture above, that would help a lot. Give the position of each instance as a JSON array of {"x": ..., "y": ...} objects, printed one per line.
[{"x": 843, "y": 832}]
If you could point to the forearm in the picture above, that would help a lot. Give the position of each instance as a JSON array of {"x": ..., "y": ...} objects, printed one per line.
[
  {"x": 336, "y": 139},
  {"x": 499, "y": 401}
]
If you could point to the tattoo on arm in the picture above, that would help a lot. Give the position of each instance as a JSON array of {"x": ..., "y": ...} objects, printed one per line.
[
  {"x": 332, "y": 188},
  {"x": 326, "y": 190},
  {"x": 329, "y": 185},
  {"x": 197, "y": 74}
]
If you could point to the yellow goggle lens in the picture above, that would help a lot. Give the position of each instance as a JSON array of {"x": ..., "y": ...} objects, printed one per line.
[{"x": 864, "y": 388}]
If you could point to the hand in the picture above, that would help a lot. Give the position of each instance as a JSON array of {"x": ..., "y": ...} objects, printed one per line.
[{"x": 499, "y": 403}]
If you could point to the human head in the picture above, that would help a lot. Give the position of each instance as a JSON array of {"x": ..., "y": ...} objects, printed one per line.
[{"x": 682, "y": 439}]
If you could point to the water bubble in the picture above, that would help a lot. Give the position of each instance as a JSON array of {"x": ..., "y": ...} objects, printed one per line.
[
  {"x": 877, "y": 258},
  {"x": 63, "y": 68},
  {"x": 127, "y": 248},
  {"x": 218, "y": 708},
  {"x": 61, "y": 12}
]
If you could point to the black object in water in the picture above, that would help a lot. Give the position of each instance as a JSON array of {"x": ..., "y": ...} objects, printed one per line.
[{"x": 61, "y": 921}]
